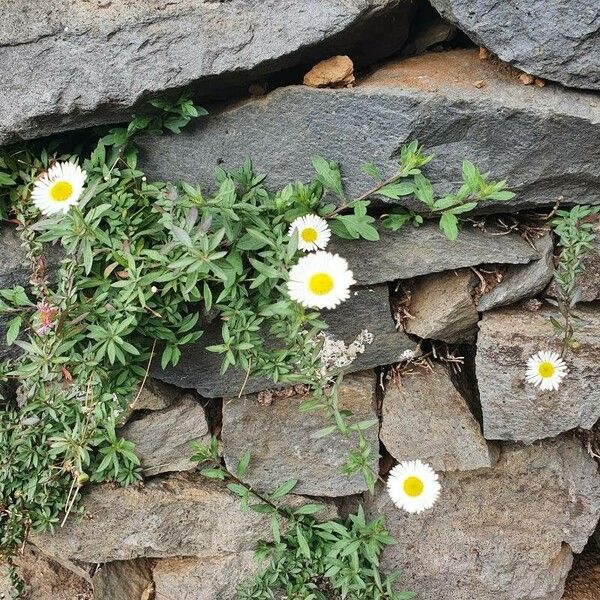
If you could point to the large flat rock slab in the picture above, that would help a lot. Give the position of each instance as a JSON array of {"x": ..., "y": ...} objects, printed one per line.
[
  {"x": 75, "y": 64},
  {"x": 367, "y": 308},
  {"x": 425, "y": 417},
  {"x": 516, "y": 410},
  {"x": 550, "y": 38},
  {"x": 175, "y": 516},
  {"x": 279, "y": 439},
  {"x": 430, "y": 98},
  {"x": 505, "y": 533}
]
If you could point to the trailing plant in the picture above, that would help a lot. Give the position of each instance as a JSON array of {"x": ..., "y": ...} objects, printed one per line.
[
  {"x": 147, "y": 265},
  {"x": 307, "y": 558},
  {"x": 574, "y": 228}
]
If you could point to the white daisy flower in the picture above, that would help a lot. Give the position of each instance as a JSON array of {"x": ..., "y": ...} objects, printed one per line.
[
  {"x": 59, "y": 188},
  {"x": 313, "y": 232},
  {"x": 320, "y": 280},
  {"x": 546, "y": 370},
  {"x": 413, "y": 486}
]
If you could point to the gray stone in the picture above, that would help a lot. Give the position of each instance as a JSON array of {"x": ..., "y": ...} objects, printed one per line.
[
  {"x": 552, "y": 39},
  {"x": 279, "y": 438},
  {"x": 430, "y": 98},
  {"x": 163, "y": 438},
  {"x": 505, "y": 533},
  {"x": 442, "y": 307},
  {"x": 425, "y": 417},
  {"x": 76, "y": 64},
  {"x": 367, "y": 308},
  {"x": 123, "y": 580},
  {"x": 211, "y": 578},
  {"x": 521, "y": 282},
  {"x": 515, "y": 410},
  {"x": 44, "y": 579},
  {"x": 152, "y": 394},
  {"x": 171, "y": 516},
  {"x": 588, "y": 282},
  {"x": 412, "y": 252}
]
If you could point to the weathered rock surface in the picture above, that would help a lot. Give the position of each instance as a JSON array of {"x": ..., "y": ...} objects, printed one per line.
[
  {"x": 174, "y": 516},
  {"x": 425, "y": 417},
  {"x": 279, "y": 438},
  {"x": 44, "y": 579},
  {"x": 412, "y": 252},
  {"x": 123, "y": 580},
  {"x": 548, "y": 38},
  {"x": 430, "y": 98},
  {"x": 515, "y": 410},
  {"x": 367, "y": 308},
  {"x": 505, "y": 533},
  {"x": 162, "y": 438},
  {"x": 76, "y": 64},
  {"x": 203, "y": 578},
  {"x": 153, "y": 395},
  {"x": 525, "y": 281},
  {"x": 442, "y": 306}
]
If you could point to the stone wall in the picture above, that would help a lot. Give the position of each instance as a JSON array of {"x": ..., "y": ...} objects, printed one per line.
[{"x": 520, "y": 483}]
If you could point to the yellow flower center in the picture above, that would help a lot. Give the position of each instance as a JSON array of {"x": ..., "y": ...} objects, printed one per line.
[
  {"x": 320, "y": 284},
  {"x": 61, "y": 191},
  {"x": 413, "y": 486},
  {"x": 546, "y": 369},
  {"x": 308, "y": 234}
]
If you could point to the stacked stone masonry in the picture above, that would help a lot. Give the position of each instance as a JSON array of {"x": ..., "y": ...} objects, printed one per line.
[{"x": 520, "y": 482}]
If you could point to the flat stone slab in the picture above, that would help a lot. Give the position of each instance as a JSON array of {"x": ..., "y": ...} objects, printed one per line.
[
  {"x": 208, "y": 578},
  {"x": 515, "y": 410},
  {"x": 95, "y": 65},
  {"x": 442, "y": 307},
  {"x": 367, "y": 308},
  {"x": 163, "y": 438},
  {"x": 552, "y": 39},
  {"x": 411, "y": 252},
  {"x": 425, "y": 417},
  {"x": 279, "y": 439},
  {"x": 430, "y": 98},
  {"x": 504, "y": 533},
  {"x": 172, "y": 516},
  {"x": 524, "y": 281}
]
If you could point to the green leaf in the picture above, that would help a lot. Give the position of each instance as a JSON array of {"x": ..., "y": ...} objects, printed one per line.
[
  {"x": 395, "y": 191},
  {"x": 213, "y": 473},
  {"x": 329, "y": 175},
  {"x": 243, "y": 465},
  {"x": 449, "y": 225},
  {"x": 372, "y": 171},
  {"x": 13, "y": 330},
  {"x": 302, "y": 543},
  {"x": 284, "y": 489}
]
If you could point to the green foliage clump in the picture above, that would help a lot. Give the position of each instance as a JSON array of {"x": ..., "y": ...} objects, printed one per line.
[
  {"x": 574, "y": 228},
  {"x": 308, "y": 559}
]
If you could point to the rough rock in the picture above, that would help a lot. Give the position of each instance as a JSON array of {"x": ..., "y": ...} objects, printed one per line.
[
  {"x": 442, "y": 307},
  {"x": 515, "y": 410},
  {"x": 337, "y": 71},
  {"x": 123, "y": 580},
  {"x": 44, "y": 579},
  {"x": 162, "y": 438},
  {"x": 525, "y": 281},
  {"x": 93, "y": 66},
  {"x": 430, "y": 98},
  {"x": 588, "y": 282},
  {"x": 203, "y": 578},
  {"x": 412, "y": 252},
  {"x": 279, "y": 438},
  {"x": 151, "y": 395},
  {"x": 505, "y": 533},
  {"x": 171, "y": 516},
  {"x": 425, "y": 417},
  {"x": 549, "y": 38},
  {"x": 367, "y": 308}
]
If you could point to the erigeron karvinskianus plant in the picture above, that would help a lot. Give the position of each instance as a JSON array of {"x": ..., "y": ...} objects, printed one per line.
[{"x": 147, "y": 264}]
